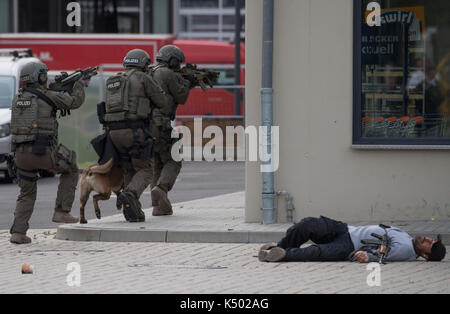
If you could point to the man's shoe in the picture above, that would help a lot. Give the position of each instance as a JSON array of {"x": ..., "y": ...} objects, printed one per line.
[
  {"x": 268, "y": 246},
  {"x": 130, "y": 210},
  {"x": 165, "y": 207},
  {"x": 18, "y": 238},
  {"x": 273, "y": 255},
  {"x": 64, "y": 218}
]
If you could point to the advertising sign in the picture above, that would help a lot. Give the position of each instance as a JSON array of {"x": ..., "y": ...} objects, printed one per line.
[{"x": 387, "y": 43}]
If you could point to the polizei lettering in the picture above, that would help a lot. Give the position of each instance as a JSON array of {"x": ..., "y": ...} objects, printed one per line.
[
  {"x": 113, "y": 85},
  {"x": 25, "y": 78},
  {"x": 23, "y": 103},
  {"x": 134, "y": 61}
]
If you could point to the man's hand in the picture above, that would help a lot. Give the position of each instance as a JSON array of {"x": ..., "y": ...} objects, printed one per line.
[{"x": 361, "y": 257}]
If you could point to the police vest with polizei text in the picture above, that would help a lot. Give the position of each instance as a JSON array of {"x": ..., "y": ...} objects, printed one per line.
[
  {"x": 119, "y": 104},
  {"x": 31, "y": 116}
]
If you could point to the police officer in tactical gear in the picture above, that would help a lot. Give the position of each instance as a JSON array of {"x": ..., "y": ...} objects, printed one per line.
[
  {"x": 165, "y": 169},
  {"x": 130, "y": 97},
  {"x": 34, "y": 129}
]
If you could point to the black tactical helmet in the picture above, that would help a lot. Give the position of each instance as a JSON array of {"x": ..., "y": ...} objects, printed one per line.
[
  {"x": 137, "y": 58},
  {"x": 34, "y": 73},
  {"x": 168, "y": 52}
]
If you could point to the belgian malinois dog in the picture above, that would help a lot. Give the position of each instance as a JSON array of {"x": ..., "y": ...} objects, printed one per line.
[{"x": 103, "y": 179}]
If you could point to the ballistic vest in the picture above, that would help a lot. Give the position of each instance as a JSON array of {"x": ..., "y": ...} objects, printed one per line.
[
  {"x": 31, "y": 116},
  {"x": 125, "y": 98}
]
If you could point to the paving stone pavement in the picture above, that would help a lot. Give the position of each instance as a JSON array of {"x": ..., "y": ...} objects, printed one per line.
[
  {"x": 195, "y": 268},
  {"x": 201, "y": 268}
]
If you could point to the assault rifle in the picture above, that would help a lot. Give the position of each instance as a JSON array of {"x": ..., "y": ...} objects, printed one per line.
[
  {"x": 384, "y": 247},
  {"x": 202, "y": 76},
  {"x": 379, "y": 248},
  {"x": 64, "y": 82}
]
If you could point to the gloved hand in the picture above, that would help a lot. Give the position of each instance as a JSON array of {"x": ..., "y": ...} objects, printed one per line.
[{"x": 191, "y": 78}]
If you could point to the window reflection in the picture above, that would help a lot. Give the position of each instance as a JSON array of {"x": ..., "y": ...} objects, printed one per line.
[{"x": 406, "y": 71}]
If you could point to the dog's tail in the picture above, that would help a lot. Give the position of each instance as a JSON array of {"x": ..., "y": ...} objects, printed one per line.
[{"x": 97, "y": 169}]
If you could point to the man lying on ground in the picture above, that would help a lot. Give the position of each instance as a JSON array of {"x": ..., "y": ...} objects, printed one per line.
[{"x": 336, "y": 241}]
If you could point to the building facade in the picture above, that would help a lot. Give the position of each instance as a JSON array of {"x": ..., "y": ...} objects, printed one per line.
[
  {"x": 97, "y": 16},
  {"x": 190, "y": 19},
  {"x": 362, "y": 109},
  {"x": 213, "y": 19}
]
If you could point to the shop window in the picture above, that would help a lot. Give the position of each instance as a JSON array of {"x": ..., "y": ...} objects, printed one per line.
[{"x": 402, "y": 73}]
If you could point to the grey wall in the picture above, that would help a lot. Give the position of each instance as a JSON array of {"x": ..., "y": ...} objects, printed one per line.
[{"x": 313, "y": 72}]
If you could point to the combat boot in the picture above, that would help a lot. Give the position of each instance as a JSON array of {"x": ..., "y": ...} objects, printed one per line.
[
  {"x": 118, "y": 203},
  {"x": 18, "y": 238},
  {"x": 141, "y": 215},
  {"x": 131, "y": 211},
  {"x": 140, "y": 212},
  {"x": 155, "y": 208},
  {"x": 156, "y": 211},
  {"x": 165, "y": 207},
  {"x": 64, "y": 218}
]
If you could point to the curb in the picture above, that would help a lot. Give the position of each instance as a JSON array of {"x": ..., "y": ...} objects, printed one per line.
[{"x": 79, "y": 233}]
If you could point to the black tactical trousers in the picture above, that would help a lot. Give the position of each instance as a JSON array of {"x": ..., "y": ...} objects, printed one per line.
[{"x": 331, "y": 239}]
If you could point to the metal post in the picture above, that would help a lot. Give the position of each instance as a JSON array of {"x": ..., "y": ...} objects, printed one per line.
[
  {"x": 237, "y": 57},
  {"x": 268, "y": 190},
  {"x": 220, "y": 17},
  {"x": 16, "y": 16},
  {"x": 176, "y": 18},
  {"x": 141, "y": 16}
]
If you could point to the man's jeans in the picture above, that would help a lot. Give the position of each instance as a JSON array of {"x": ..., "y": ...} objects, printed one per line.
[{"x": 331, "y": 238}]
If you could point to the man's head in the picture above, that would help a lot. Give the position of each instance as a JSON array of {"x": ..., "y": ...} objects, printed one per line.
[
  {"x": 171, "y": 55},
  {"x": 137, "y": 58},
  {"x": 431, "y": 250},
  {"x": 34, "y": 74}
]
